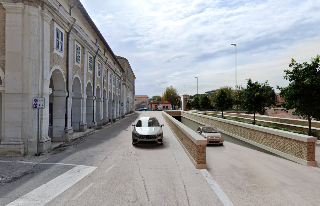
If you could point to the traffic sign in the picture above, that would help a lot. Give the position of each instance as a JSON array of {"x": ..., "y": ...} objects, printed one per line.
[
  {"x": 38, "y": 103},
  {"x": 122, "y": 104}
]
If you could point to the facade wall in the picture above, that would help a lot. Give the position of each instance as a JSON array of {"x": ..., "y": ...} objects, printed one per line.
[
  {"x": 75, "y": 97},
  {"x": 128, "y": 89},
  {"x": 2, "y": 39},
  {"x": 141, "y": 101}
]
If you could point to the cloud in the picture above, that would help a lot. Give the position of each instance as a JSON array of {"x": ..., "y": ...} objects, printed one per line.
[{"x": 169, "y": 42}]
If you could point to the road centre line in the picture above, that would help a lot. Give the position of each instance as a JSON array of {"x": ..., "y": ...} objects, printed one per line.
[
  {"x": 47, "y": 192},
  {"x": 216, "y": 188},
  {"x": 109, "y": 168},
  {"x": 85, "y": 189}
]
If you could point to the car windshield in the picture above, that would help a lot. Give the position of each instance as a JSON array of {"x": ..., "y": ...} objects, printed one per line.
[
  {"x": 209, "y": 130},
  {"x": 151, "y": 122}
]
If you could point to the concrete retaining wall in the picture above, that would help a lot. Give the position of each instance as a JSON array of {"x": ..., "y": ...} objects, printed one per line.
[
  {"x": 193, "y": 143},
  {"x": 296, "y": 147}
]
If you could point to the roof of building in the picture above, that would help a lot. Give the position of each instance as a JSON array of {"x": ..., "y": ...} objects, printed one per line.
[
  {"x": 160, "y": 102},
  {"x": 95, "y": 28},
  {"x": 141, "y": 96}
]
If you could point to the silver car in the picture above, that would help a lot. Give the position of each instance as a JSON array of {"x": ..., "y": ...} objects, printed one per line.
[
  {"x": 147, "y": 129},
  {"x": 212, "y": 135}
]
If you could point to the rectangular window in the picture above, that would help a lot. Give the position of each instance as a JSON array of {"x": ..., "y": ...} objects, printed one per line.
[
  {"x": 110, "y": 82},
  {"x": 99, "y": 69},
  {"x": 114, "y": 81},
  {"x": 78, "y": 53},
  {"x": 59, "y": 40},
  {"x": 105, "y": 74},
  {"x": 90, "y": 60}
]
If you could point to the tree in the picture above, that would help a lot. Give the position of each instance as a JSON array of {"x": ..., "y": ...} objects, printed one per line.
[
  {"x": 178, "y": 102},
  {"x": 223, "y": 99},
  {"x": 303, "y": 94},
  {"x": 171, "y": 95},
  {"x": 195, "y": 102},
  {"x": 272, "y": 97},
  {"x": 204, "y": 102},
  {"x": 256, "y": 97},
  {"x": 238, "y": 96},
  {"x": 155, "y": 98},
  {"x": 189, "y": 104}
]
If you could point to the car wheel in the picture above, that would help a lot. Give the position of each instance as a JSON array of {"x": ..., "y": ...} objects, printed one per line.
[
  {"x": 221, "y": 144},
  {"x": 134, "y": 143}
]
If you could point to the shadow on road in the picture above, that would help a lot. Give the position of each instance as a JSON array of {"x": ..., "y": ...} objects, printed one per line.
[{"x": 150, "y": 145}]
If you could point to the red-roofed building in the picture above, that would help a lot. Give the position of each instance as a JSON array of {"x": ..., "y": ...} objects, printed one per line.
[{"x": 159, "y": 105}]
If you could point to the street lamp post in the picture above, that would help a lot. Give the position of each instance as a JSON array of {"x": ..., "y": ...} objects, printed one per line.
[
  {"x": 235, "y": 64},
  {"x": 197, "y": 85}
]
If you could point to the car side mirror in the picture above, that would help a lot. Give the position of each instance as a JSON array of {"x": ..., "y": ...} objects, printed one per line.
[
  {"x": 199, "y": 132},
  {"x": 133, "y": 125},
  {"x": 162, "y": 125}
]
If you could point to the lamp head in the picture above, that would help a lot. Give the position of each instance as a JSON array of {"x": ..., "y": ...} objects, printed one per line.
[{"x": 234, "y": 44}]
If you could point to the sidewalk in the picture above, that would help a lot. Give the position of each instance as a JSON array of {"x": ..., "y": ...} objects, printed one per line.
[{"x": 12, "y": 167}]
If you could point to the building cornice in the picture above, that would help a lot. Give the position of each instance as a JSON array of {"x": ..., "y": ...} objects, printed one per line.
[{"x": 13, "y": 8}]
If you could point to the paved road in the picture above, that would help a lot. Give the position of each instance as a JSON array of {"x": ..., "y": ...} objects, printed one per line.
[
  {"x": 252, "y": 176},
  {"x": 107, "y": 170}
]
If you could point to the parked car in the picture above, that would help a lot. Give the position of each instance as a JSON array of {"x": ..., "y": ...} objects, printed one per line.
[
  {"x": 143, "y": 109},
  {"x": 212, "y": 135},
  {"x": 147, "y": 129}
]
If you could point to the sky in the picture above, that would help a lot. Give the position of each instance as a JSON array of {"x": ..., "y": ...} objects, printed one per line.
[{"x": 170, "y": 42}]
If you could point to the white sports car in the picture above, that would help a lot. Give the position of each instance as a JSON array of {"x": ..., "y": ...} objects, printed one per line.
[{"x": 147, "y": 129}]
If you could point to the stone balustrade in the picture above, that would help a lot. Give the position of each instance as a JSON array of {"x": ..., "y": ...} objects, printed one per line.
[
  {"x": 301, "y": 125},
  {"x": 296, "y": 147},
  {"x": 193, "y": 143}
]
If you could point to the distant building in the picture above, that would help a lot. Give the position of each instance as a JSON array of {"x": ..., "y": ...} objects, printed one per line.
[
  {"x": 212, "y": 91},
  {"x": 159, "y": 105},
  {"x": 279, "y": 99},
  {"x": 141, "y": 101}
]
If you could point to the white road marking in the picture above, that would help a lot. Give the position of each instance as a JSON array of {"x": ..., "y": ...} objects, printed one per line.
[
  {"x": 47, "y": 192},
  {"x": 85, "y": 189},
  {"x": 216, "y": 188},
  {"x": 109, "y": 168},
  {"x": 42, "y": 163}
]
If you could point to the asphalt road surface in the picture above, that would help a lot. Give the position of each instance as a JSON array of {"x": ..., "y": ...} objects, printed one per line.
[{"x": 106, "y": 169}]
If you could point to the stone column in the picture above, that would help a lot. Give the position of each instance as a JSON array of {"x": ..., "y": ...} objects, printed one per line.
[
  {"x": 45, "y": 141},
  {"x": 68, "y": 133},
  {"x": 12, "y": 143},
  {"x": 59, "y": 108},
  {"x": 98, "y": 111},
  {"x": 83, "y": 126},
  {"x": 184, "y": 102},
  {"x": 76, "y": 111},
  {"x": 105, "y": 109}
]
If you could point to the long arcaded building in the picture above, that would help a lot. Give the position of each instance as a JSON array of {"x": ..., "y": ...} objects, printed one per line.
[{"x": 51, "y": 49}]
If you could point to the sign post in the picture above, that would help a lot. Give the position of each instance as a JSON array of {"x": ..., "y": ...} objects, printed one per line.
[{"x": 38, "y": 103}]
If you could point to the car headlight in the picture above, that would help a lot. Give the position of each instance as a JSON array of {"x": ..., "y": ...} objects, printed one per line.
[
  {"x": 135, "y": 134},
  {"x": 159, "y": 135}
]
